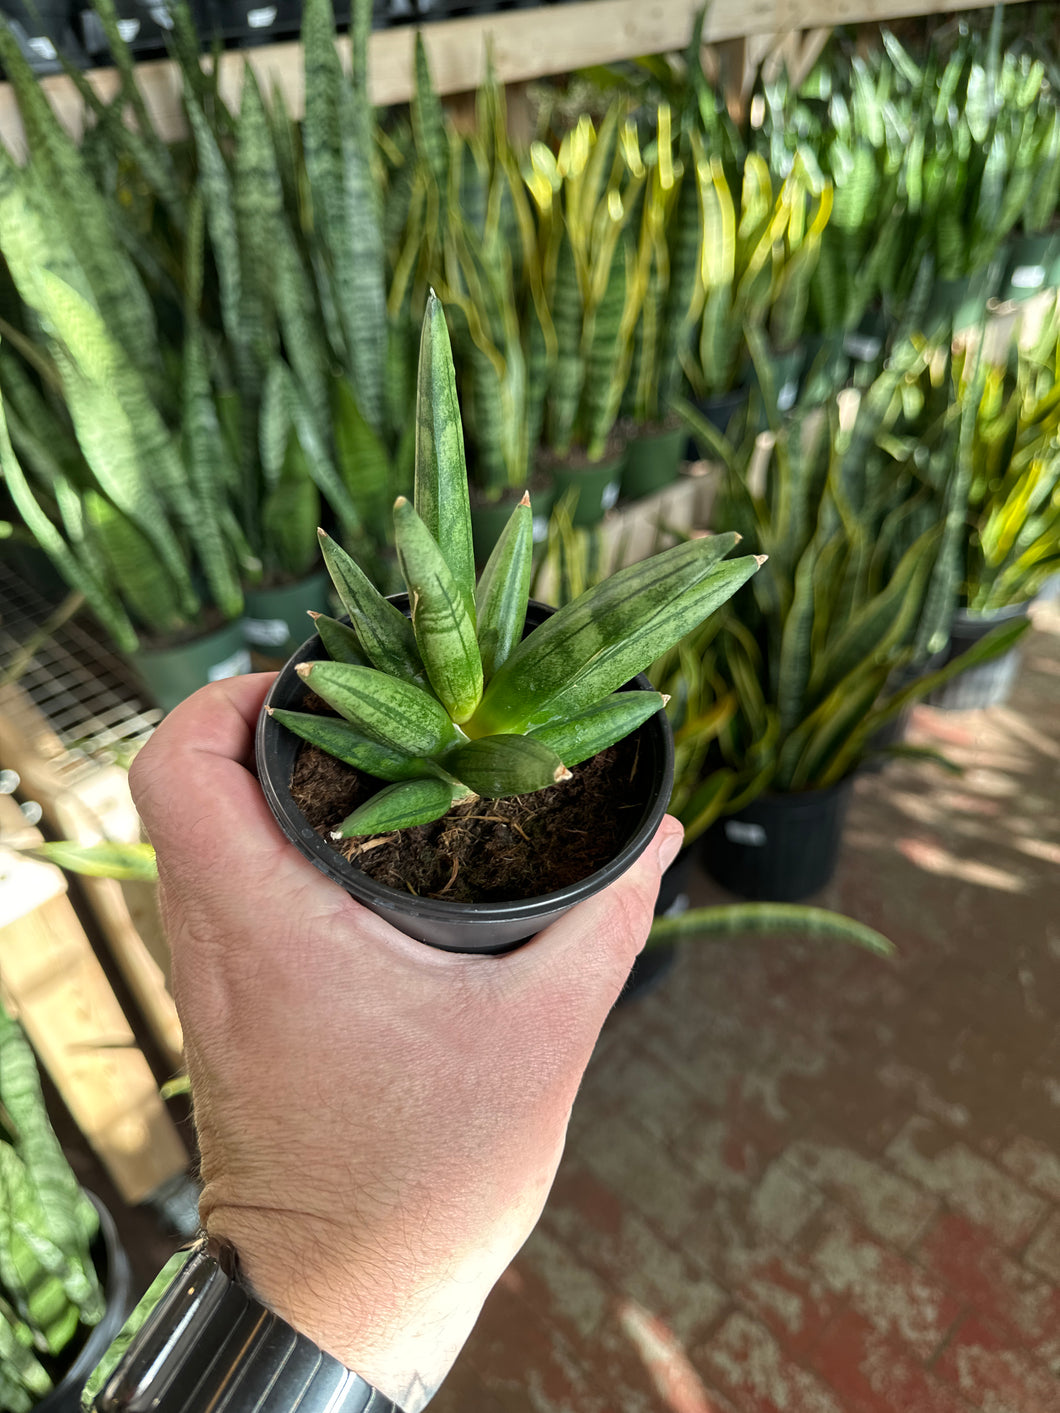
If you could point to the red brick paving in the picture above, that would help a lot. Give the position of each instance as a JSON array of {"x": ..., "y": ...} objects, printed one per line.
[{"x": 799, "y": 1180}]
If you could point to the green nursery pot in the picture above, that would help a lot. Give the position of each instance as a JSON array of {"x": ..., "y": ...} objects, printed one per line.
[
  {"x": 171, "y": 674},
  {"x": 1033, "y": 266},
  {"x": 597, "y": 487},
  {"x": 653, "y": 460},
  {"x": 276, "y": 621},
  {"x": 488, "y": 520}
]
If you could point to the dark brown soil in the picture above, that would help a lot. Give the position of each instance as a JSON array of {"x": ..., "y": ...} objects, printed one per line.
[{"x": 487, "y": 851}]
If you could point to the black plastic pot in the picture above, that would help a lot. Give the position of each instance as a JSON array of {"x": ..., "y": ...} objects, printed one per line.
[
  {"x": 115, "y": 1274},
  {"x": 893, "y": 732},
  {"x": 654, "y": 964},
  {"x": 718, "y": 409},
  {"x": 991, "y": 682},
  {"x": 779, "y": 848},
  {"x": 43, "y": 29},
  {"x": 489, "y": 928}
]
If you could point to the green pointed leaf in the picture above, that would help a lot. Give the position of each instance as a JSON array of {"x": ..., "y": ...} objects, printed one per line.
[
  {"x": 107, "y": 860},
  {"x": 604, "y": 724},
  {"x": 341, "y": 643},
  {"x": 445, "y": 631},
  {"x": 401, "y": 806},
  {"x": 343, "y": 741},
  {"x": 504, "y": 590},
  {"x": 594, "y": 645},
  {"x": 362, "y": 460},
  {"x": 441, "y": 472},
  {"x": 497, "y": 766},
  {"x": 394, "y": 713},
  {"x": 78, "y": 575},
  {"x": 383, "y": 630},
  {"x": 774, "y": 919}
]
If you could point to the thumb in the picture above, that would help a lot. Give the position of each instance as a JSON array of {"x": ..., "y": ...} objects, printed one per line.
[{"x": 593, "y": 947}]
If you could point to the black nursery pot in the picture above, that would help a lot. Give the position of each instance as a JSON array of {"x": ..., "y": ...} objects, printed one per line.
[
  {"x": 489, "y": 928},
  {"x": 991, "y": 683},
  {"x": 779, "y": 848},
  {"x": 115, "y": 1274}
]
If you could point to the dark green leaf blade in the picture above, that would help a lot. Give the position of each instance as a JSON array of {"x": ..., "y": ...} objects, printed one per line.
[
  {"x": 394, "y": 713},
  {"x": 504, "y": 590},
  {"x": 445, "y": 630},
  {"x": 497, "y": 766},
  {"x": 342, "y": 740},
  {"x": 400, "y": 806},
  {"x": 599, "y": 727},
  {"x": 383, "y": 630},
  {"x": 612, "y": 632},
  {"x": 441, "y": 495},
  {"x": 341, "y": 643}
]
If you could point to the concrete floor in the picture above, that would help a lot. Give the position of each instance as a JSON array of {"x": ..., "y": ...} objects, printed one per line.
[{"x": 802, "y": 1180}]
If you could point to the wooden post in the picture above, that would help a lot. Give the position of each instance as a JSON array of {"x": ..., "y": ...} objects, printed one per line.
[
  {"x": 79, "y": 809},
  {"x": 51, "y": 980}
]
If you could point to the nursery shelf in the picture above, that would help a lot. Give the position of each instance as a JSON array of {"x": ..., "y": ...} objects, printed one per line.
[
  {"x": 84, "y": 691},
  {"x": 526, "y": 44}
]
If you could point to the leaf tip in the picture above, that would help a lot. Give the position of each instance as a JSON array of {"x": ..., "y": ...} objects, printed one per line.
[
  {"x": 269, "y": 710},
  {"x": 314, "y": 614},
  {"x": 665, "y": 698},
  {"x": 561, "y": 773},
  {"x": 526, "y": 498},
  {"x": 760, "y": 559},
  {"x": 303, "y": 669}
]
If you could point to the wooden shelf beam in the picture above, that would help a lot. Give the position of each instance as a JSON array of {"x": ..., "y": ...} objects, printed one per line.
[{"x": 526, "y": 44}]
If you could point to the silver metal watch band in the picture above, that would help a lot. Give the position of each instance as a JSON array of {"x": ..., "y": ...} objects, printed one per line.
[{"x": 209, "y": 1344}]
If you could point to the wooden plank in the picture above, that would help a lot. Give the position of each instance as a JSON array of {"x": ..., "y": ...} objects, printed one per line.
[
  {"x": 88, "y": 810},
  {"x": 526, "y": 44},
  {"x": 51, "y": 980}
]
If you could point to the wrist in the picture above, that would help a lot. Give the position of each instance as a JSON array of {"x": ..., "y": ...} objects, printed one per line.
[
  {"x": 199, "y": 1337},
  {"x": 362, "y": 1308}
]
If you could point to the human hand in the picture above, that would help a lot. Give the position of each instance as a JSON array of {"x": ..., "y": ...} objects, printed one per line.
[{"x": 379, "y": 1122}]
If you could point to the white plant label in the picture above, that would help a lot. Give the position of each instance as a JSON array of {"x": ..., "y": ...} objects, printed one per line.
[
  {"x": 266, "y": 632},
  {"x": 610, "y": 495},
  {"x": 261, "y": 18},
  {"x": 740, "y": 832},
  {"x": 233, "y": 666},
  {"x": 862, "y": 348},
  {"x": 540, "y": 528},
  {"x": 787, "y": 395},
  {"x": 1028, "y": 277}
]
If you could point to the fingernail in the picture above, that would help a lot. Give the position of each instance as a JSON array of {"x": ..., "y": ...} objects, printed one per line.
[{"x": 668, "y": 850}]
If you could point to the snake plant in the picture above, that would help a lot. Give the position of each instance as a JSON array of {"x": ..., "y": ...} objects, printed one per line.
[
  {"x": 584, "y": 197},
  {"x": 665, "y": 274},
  {"x": 49, "y": 1291},
  {"x": 811, "y": 661},
  {"x": 455, "y": 702},
  {"x": 757, "y": 257},
  {"x": 1012, "y": 535}
]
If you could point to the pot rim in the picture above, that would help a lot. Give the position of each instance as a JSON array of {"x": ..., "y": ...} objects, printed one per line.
[{"x": 440, "y": 910}]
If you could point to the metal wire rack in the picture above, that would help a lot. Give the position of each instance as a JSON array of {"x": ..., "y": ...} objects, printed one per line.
[{"x": 87, "y": 694}]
